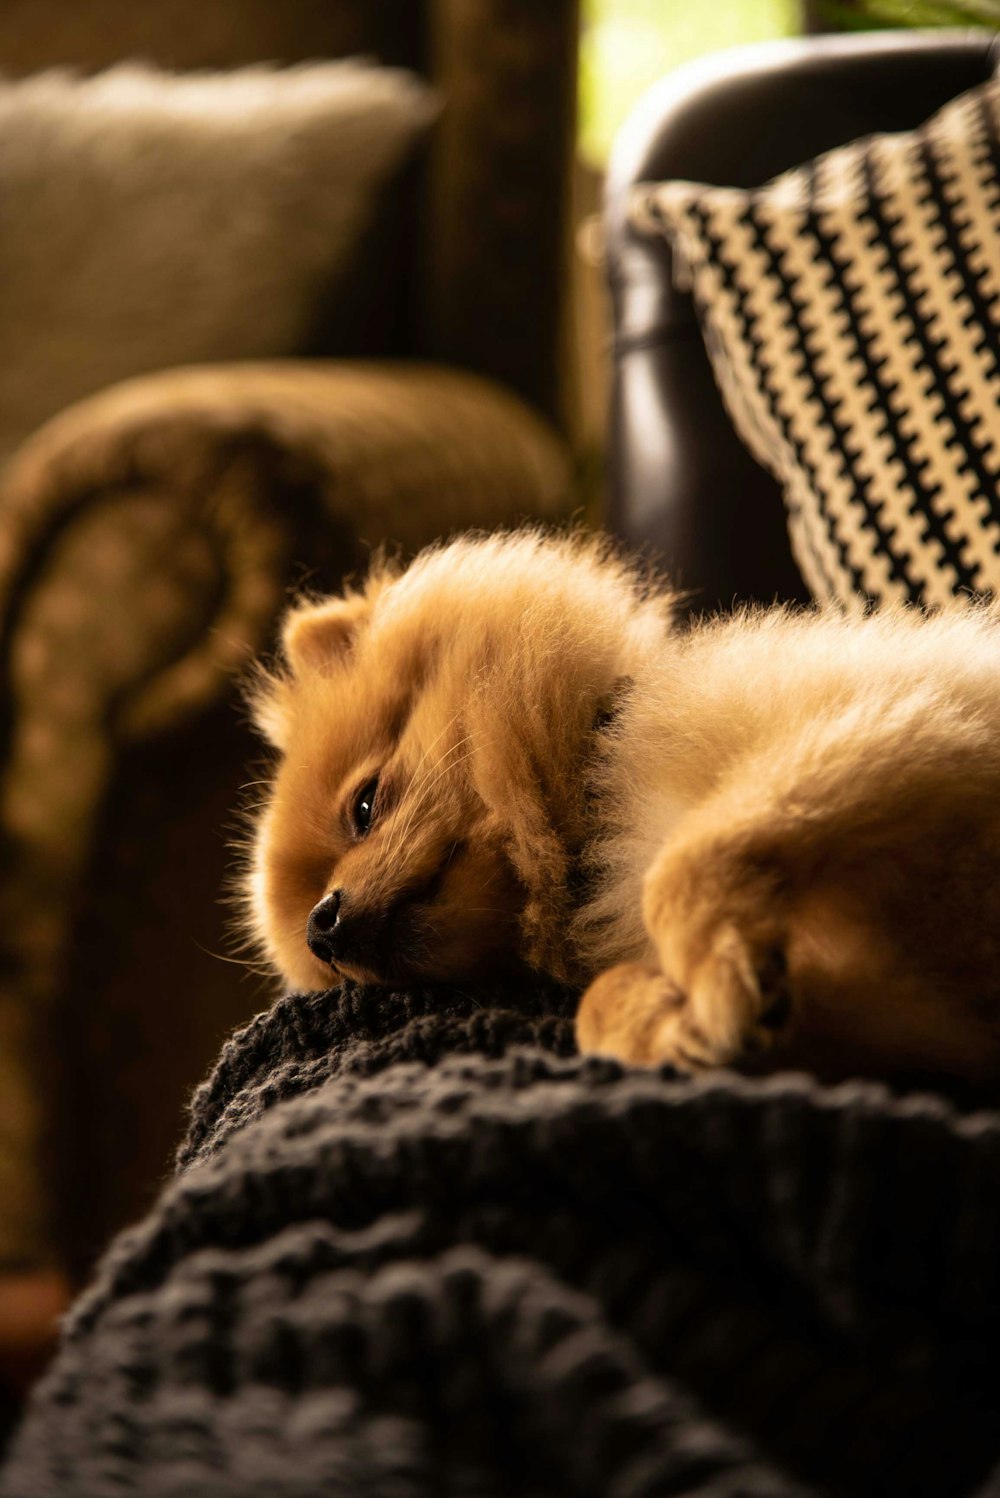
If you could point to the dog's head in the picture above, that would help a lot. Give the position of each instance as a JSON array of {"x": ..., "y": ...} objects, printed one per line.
[{"x": 429, "y": 804}]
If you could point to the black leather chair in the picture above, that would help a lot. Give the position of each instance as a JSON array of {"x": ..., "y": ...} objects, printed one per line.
[{"x": 681, "y": 483}]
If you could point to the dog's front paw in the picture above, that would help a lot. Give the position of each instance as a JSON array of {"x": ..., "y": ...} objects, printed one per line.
[
  {"x": 635, "y": 1014},
  {"x": 738, "y": 1004},
  {"x": 624, "y": 1013},
  {"x": 739, "y": 993}
]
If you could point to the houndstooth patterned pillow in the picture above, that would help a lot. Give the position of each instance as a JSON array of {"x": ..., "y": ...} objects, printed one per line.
[{"x": 851, "y": 309}]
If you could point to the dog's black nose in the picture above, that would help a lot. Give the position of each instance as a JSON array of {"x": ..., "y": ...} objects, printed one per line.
[
  {"x": 322, "y": 923},
  {"x": 337, "y": 931}
]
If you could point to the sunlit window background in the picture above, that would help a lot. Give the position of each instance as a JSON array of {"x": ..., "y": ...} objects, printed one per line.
[{"x": 627, "y": 45}]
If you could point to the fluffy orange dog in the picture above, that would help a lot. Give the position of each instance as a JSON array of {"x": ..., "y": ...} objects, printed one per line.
[{"x": 773, "y": 828}]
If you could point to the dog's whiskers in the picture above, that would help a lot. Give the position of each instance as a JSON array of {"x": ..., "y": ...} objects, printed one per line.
[
  {"x": 414, "y": 819},
  {"x": 250, "y": 967},
  {"x": 423, "y": 789},
  {"x": 399, "y": 834},
  {"x": 437, "y": 737}
]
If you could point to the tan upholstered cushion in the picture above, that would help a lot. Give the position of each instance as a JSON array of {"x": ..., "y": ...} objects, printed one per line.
[{"x": 154, "y": 220}]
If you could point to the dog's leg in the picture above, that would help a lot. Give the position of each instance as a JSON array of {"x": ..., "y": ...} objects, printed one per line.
[
  {"x": 722, "y": 986},
  {"x": 841, "y": 898}
]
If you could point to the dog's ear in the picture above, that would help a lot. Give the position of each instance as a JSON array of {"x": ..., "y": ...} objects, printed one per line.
[{"x": 316, "y": 635}]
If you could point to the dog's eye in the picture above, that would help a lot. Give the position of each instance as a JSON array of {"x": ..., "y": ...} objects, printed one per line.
[{"x": 364, "y": 807}]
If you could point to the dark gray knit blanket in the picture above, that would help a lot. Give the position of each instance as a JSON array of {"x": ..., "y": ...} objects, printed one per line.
[{"x": 415, "y": 1248}]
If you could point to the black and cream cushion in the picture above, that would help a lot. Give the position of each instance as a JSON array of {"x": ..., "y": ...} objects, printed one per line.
[{"x": 851, "y": 309}]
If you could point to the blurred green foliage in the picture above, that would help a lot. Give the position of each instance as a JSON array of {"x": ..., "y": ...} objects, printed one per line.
[
  {"x": 626, "y": 45},
  {"x": 870, "y": 14}
]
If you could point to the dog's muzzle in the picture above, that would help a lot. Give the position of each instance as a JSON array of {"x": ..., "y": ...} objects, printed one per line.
[{"x": 336, "y": 932}]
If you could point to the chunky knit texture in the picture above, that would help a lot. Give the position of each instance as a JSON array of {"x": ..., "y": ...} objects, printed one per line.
[{"x": 416, "y": 1246}]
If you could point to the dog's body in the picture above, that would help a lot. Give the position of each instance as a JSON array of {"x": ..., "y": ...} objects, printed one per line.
[{"x": 774, "y": 827}]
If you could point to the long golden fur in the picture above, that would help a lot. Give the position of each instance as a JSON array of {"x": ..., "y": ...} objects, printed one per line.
[{"x": 773, "y": 828}]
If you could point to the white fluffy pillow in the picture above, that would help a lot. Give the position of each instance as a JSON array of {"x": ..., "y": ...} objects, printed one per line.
[{"x": 150, "y": 219}]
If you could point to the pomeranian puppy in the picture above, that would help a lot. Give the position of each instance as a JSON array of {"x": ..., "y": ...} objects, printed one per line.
[{"x": 770, "y": 832}]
